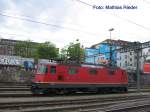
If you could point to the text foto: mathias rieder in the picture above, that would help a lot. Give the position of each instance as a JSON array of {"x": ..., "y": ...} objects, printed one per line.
[{"x": 115, "y": 7}]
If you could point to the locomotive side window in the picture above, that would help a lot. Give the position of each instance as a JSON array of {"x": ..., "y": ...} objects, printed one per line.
[
  {"x": 42, "y": 69},
  {"x": 93, "y": 71},
  {"x": 53, "y": 70},
  {"x": 73, "y": 71}
]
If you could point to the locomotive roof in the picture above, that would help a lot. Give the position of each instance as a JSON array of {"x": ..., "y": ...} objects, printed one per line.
[
  {"x": 99, "y": 66},
  {"x": 82, "y": 65}
]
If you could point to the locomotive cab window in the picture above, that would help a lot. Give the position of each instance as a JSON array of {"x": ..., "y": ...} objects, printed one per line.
[
  {"x": 42, "y": 69},
  {"x": 73, "y": 71},
  {"x": 53, "y": 70},
  {"x": 93, "y": 71}
]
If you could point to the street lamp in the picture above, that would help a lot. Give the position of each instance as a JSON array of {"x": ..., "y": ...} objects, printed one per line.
[
  {"x": 77, "y": 47},
  {"x": 110, "y": 57},
  {"x": 110, "y": 31}
]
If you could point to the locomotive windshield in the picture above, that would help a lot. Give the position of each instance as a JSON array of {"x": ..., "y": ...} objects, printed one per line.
[{"x": 42, "y": 69}]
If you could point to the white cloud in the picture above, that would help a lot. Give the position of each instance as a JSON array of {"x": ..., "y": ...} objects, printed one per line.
[{"x": 90, "y": 26}]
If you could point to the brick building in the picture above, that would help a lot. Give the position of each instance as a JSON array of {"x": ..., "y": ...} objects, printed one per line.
[{"x": 7, "y": 46}]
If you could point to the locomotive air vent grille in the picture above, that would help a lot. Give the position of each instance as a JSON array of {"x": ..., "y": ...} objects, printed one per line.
[{"x": 111, "y": 72}]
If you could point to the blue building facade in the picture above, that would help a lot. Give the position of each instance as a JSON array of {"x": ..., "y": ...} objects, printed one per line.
[
  {"x": 91, "y": 55},
  {"x": 104, "y": 51},
  {"x": 101, "y": 55}
]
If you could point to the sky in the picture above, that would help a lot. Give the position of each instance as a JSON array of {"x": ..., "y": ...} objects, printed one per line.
[{"x": 64, "y": 21}]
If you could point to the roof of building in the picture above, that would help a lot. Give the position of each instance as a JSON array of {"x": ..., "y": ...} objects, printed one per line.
[
  {"x": 113, "y": 42},
  {"x": 12, "y": 41}
]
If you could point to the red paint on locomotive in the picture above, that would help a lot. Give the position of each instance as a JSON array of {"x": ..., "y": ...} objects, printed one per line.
[{"x": 58, "y": 76}]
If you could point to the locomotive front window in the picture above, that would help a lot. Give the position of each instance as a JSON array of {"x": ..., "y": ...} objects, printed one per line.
[
  {"x": 93, "y": 71},
  {"x": 42, "y": 69},
  {"x": 73, "y": 71},
  {"x": 53, "y": 69}
]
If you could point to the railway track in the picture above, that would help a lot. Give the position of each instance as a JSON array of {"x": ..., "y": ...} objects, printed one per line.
[
  {"x": 18, "y": 98},
  {"x": 14, "y": 90},
  {"x": 75, "y": 104},
  {"x": 24, "y": 91},
  {"x": 27, "y": 93},
  {"x": 136, "y": 108},
  {"x": 130, "y": 106}
]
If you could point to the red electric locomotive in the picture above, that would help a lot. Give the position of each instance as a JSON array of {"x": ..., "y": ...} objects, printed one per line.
[{"x": 62, "y": 78}]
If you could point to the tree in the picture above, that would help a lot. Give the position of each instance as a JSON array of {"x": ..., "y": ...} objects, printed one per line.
[
  {"x": 63, "y": 53},
  {"x": 47, "y": 50},
  {"x": 74, "y": 52}
]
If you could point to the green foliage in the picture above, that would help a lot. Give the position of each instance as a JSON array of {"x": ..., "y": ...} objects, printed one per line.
[
  {"x": 73, "y": 51},
  {"x": 63, "y": 53},
  {"x": 47, "y": 50}
]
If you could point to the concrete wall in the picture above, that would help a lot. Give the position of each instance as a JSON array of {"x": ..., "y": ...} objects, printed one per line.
[{"x": 15, "y": 74}]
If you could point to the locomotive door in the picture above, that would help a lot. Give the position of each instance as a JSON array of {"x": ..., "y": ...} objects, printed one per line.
[
  {"x": 61, "y": 73},
  {"x": 53, "y": 73},
  {"x": 57, "y": 73}
]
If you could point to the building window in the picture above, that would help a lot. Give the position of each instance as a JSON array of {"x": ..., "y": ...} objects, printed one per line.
[
  {"x": 93, "y": 71},
  {"x": 42, "y": 69},
  {"x": 130, "y": 59},
  {"x": 125, "y": 56},
  {"x": 130, "y": 53},
  {"x": 125, "y": 63},
  {"x": 73, "y": 71}
]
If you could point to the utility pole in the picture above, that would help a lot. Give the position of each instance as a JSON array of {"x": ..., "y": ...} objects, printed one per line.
[
  {"x": 138, "y": 72},
  {"x": 137, "y": 48},
  {"x": 110, "y": 55},
  {"x": 138, "y": 51},
  {"x": 77, "y": 47}
]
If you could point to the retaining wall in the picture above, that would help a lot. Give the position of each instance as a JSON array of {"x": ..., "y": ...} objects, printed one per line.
[{"x": 15, "y": 74}]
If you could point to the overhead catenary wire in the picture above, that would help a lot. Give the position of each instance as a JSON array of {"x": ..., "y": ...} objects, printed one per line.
[
  {"x": 84, "y": 3},
  {"x": 47, "y": 24},
  {"x": 146, "y": 1}
]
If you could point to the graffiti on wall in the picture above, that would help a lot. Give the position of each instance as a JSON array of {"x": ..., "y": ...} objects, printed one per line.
[
  {"x": 27, "y": 63},
  {"x": 9, "y": 60}
]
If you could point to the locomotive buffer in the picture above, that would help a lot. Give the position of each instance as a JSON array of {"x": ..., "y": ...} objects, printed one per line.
[{"x": 137, "y": 48}]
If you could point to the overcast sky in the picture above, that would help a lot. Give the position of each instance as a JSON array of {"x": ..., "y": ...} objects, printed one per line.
[{"x": 64, "y": 21}]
